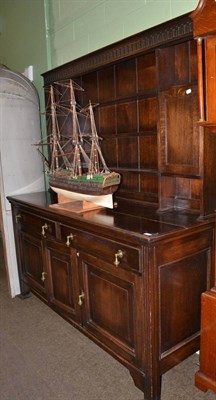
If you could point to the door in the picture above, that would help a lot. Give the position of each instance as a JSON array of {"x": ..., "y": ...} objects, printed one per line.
[
  {"x": 31, "y": 232},
  {"x": 62, "y": 279},
  {"x": 110, "y": 300},
  {"x": 32, "y": 266}
]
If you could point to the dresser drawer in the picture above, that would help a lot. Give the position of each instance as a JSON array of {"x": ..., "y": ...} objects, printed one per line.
[
  {"x": 36, "y": 225},
  {"x": 115, "y": 252}
]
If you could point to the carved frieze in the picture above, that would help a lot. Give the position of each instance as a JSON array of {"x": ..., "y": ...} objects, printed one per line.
[{"x": 170, "y": 31}]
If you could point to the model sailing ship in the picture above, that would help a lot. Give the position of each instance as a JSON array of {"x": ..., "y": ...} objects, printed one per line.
[{"x": 75, "y": 166}]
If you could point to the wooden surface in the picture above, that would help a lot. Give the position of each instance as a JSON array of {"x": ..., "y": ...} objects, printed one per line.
[
  {"x": 204, "y": 17},
  {"x": 131, "y": 278},
  {"x": 206, "y": 377},
  {"x": 143, "y": 307}
]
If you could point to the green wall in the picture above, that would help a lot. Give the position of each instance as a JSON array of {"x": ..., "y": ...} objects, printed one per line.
[
  {"x": 48, "y": 33},
  {"x": 23, "y": 38},
  {"x": 78, "y": 27}
]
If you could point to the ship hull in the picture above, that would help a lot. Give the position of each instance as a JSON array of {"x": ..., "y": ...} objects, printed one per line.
[
  {"x": 98, "y": 190},
  {"x": 97, "y": 186}
]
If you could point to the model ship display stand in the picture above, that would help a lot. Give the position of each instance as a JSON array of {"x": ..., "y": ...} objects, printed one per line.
[{"x": 74, "y": 206}]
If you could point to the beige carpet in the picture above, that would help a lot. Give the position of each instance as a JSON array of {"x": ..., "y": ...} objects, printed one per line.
[{"x": 43, "y": 358}]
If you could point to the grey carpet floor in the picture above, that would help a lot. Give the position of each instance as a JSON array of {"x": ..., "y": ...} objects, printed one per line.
[{"x": 42, "y": 357}]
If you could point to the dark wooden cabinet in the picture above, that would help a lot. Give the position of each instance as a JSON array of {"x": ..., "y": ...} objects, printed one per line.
[
  {"x": 128, "y": 278},
  {"x": 131, "y": 278}
]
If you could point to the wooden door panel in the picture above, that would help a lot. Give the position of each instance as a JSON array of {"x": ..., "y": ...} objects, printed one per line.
[
  {"x": 181, "y": 286},
  {"x": 61, "y": 276},
  {"x": 63, "y": 281},
  {"x": 108, "y": 293},
  {"x": 32, "y": 261},
  {"x": 109, "y": 311}
]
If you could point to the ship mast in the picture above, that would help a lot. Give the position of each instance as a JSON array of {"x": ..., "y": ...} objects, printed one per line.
[
  {"x": 76, "y": 166},
  {"x": 57, "y": 149},
  {"x": 54, "y": 138},
  {"x": 96, "y": 154}
]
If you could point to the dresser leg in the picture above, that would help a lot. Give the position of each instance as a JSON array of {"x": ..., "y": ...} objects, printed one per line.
[
  {"x": 150, "y": 387},
  {"x": 153, "y": 389}
]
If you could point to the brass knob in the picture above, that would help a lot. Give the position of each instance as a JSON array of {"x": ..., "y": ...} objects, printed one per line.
[
  {"x": 17, "y": 218},
  {"x": 43, "y": 276},
  {"x": 81, "y": 298},
  {"x": 43, "y": 230},
  {"x": 118, "y": 255},
  {"x": 69, "y": 239}
]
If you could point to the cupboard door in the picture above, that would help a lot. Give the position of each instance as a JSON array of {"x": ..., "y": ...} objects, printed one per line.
[
  {"x": 33, "y": 269},
  {"x": 62, "y": 279},
  {"x": 179, "y": 131},
  {"x": 109, "y": 306}
]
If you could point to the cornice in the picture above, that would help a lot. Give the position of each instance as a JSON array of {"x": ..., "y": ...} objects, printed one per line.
[{"x": 174, "y": 30}]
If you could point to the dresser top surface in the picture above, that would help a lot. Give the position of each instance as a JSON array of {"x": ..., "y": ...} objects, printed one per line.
[{"x": 133, "y": 218}]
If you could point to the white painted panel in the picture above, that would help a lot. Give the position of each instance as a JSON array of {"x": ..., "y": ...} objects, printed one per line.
[
  {"x": 19, "y": 129},
  {"x": 21, "y": 167},
  {"x": 21, "y": 163}
]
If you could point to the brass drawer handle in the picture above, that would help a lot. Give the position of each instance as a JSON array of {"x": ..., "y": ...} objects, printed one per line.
[
  {"x": 17, "y": 218},
  {"x": 118, "y": 255},
  {"x": 81, "y": 298},
  {"x": 69, "y": 239},
  {"x": 43, "y": 276},
  {"x": 43, "y": 230}
]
